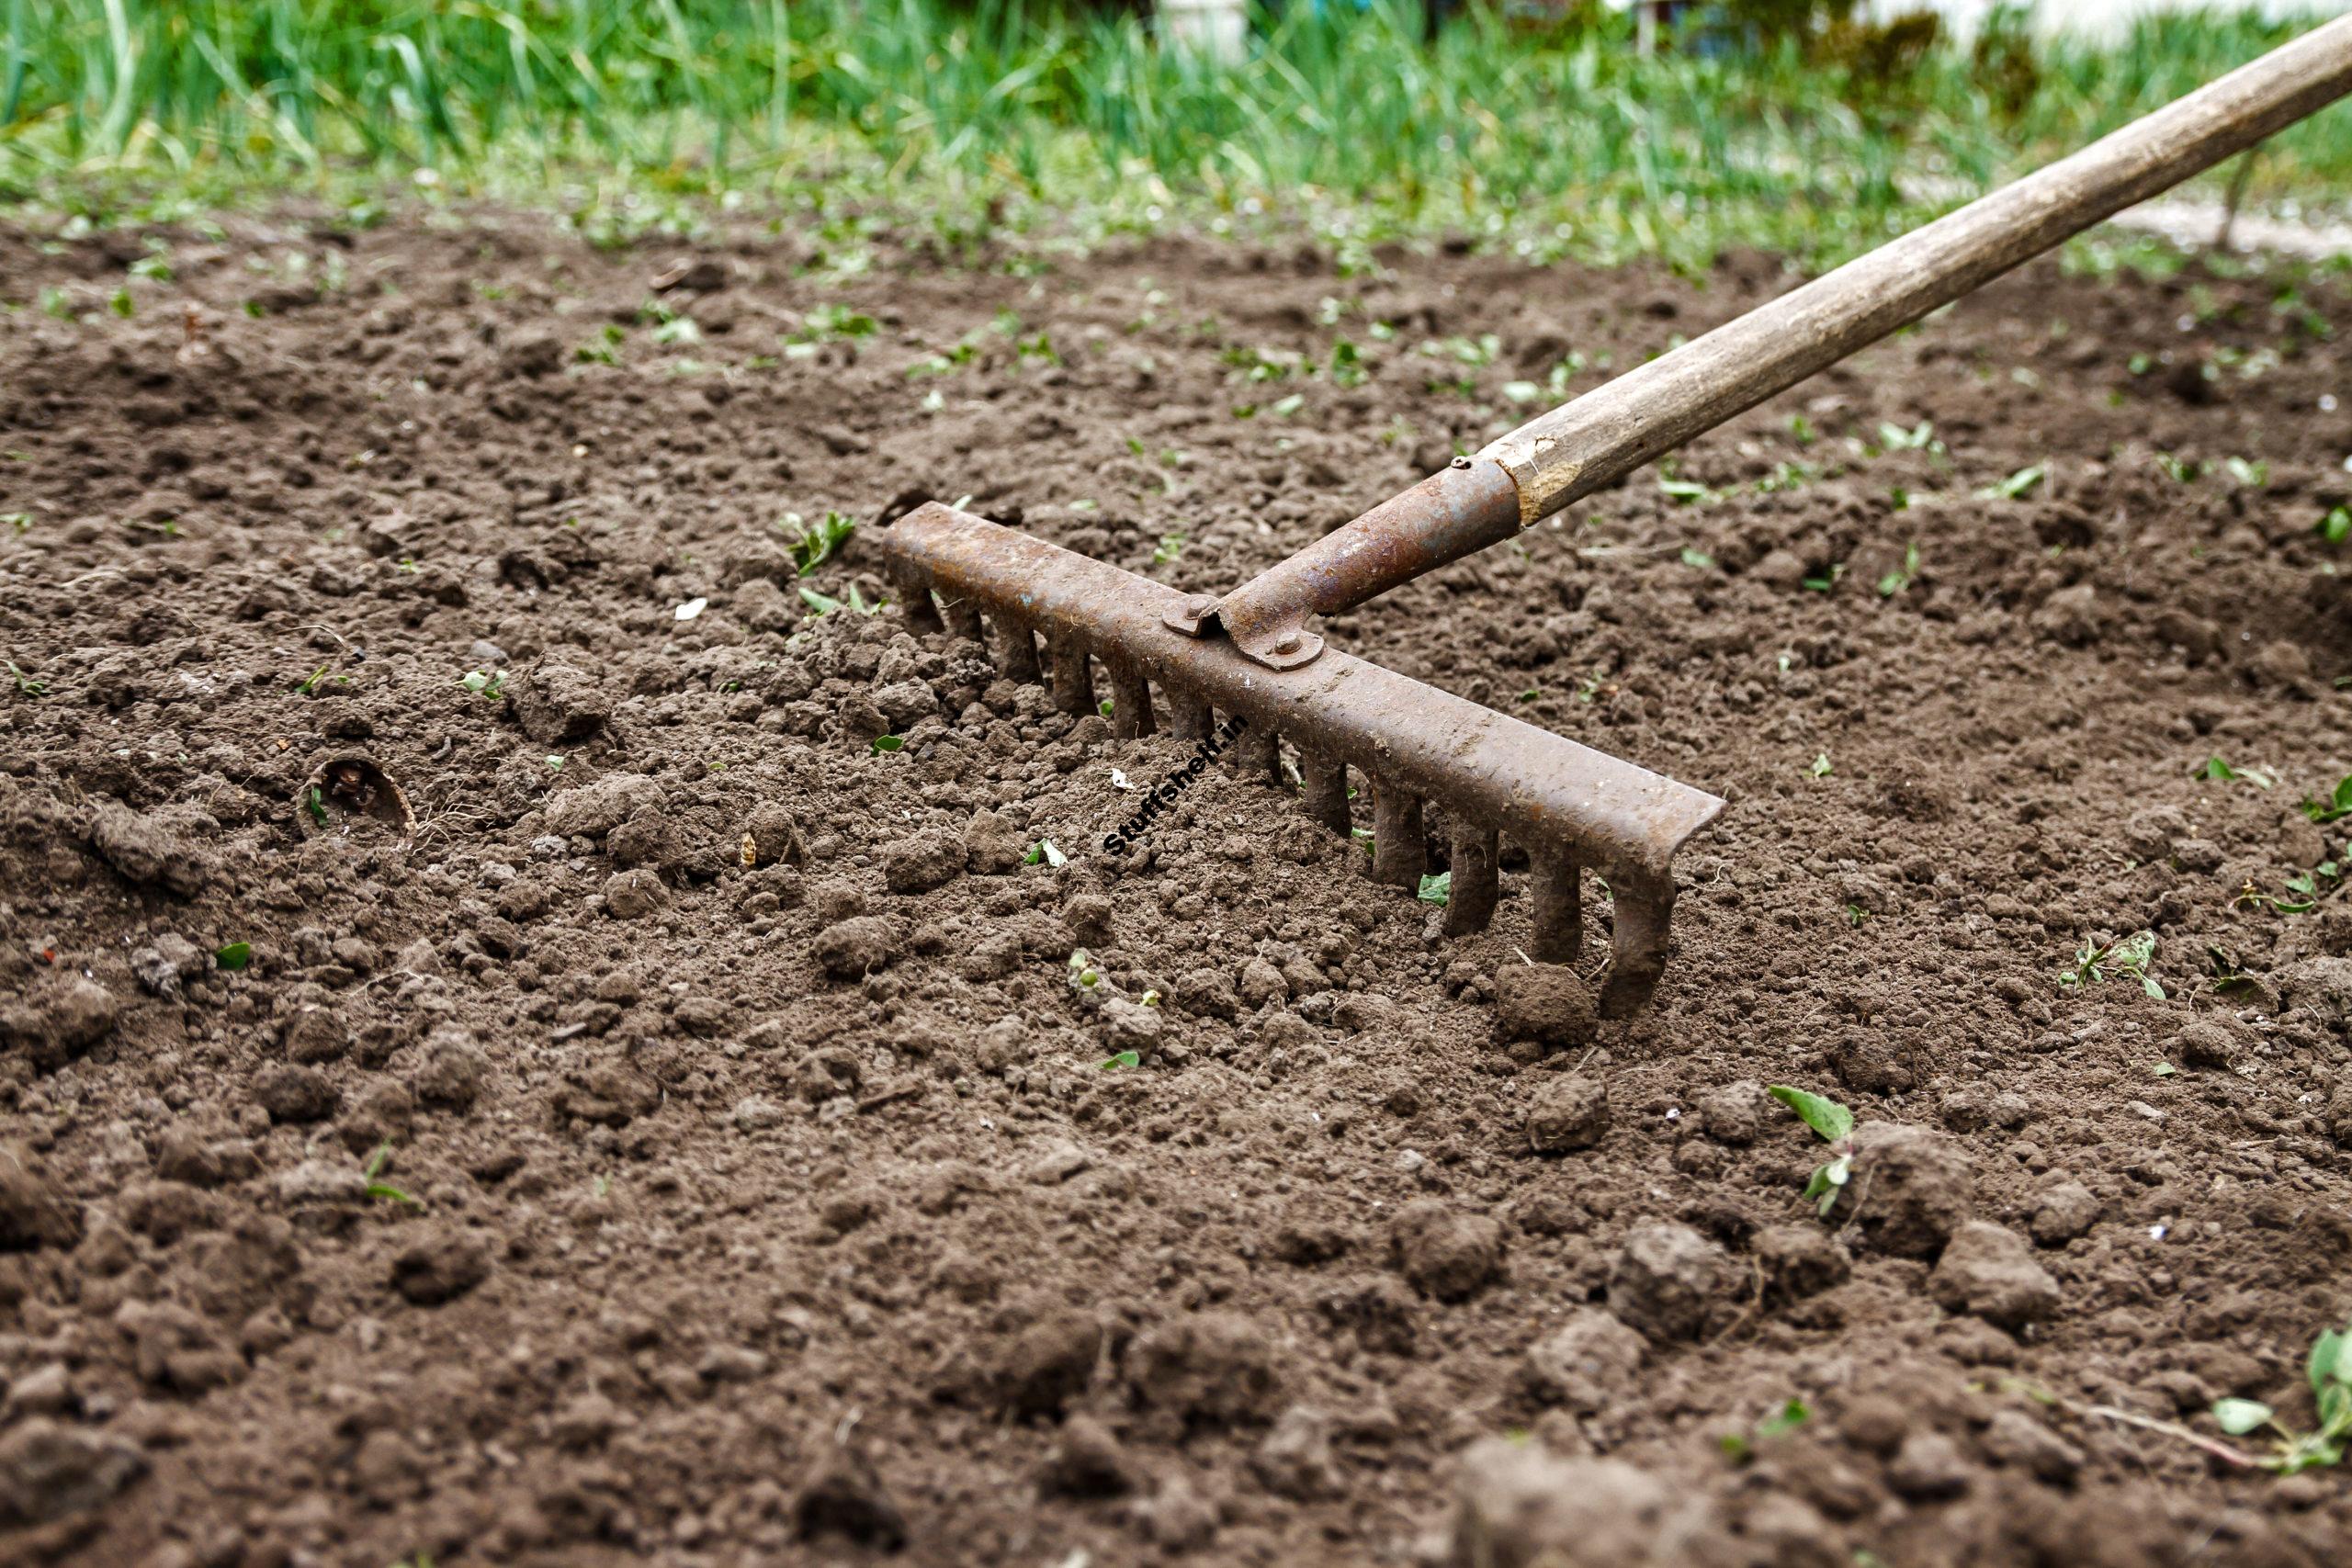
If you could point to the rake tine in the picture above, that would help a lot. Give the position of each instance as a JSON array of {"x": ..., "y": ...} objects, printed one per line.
[
  {"x": 1472, "y": 886},
  {"x": 1637, "y": 946},
  {"x": 1400, "y": 851},
  {"x": 1325, "y": 789},
  {"x": 1559, "y": 909},
  {"x": 1258, "y": 756},
  {"x": 963, "y": 618},
  {"x": 1073, "y": 676},
  {"x": 1015, "y": 649},
  {"x": 915, "y": 601},
  {"x": 1571, "y": 808},
  {"x": 1130, "y": 702},
  {"x": 1187, "y": 715}
]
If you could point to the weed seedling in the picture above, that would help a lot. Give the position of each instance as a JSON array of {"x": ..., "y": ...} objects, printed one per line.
[
  {"x": 1124, "y": 1059},
  {"x": 26, "y": 686},
  {"x": 1895, "y": 581},
  {"x": 811, "y": 548},
  {"x": 1082, "y": 973},
  {"x": 1436, "y": 889},
  {"x": 373, "y": 1171},
  {"x": 233, "y": 956},
  {"x": 316, "y": 804},
  {"x": 1044, "y": 850},
  {"x": 310, "y": 688},
  {"x": 1171, "y": 546},
  {"x": 2320, "y": 811},
  {"x": 2336, "y": 527},
  {"x": 1835, "y": 1124},
  {"x": 2221, "y": 773},
  {"x": 1740, "y": 1447},
  {"x": 2128, "y": 955},
  {"x": 825, "y": 604},
  {"x": 1688, "y": 492},
  {"x": 1820, "y": 768},
  {"x": 485, "y": 683},
  {"x": 2329, "y": 1371},
  {"x": 2016, "y": 485},
  {"x": 604, "y": 349}
]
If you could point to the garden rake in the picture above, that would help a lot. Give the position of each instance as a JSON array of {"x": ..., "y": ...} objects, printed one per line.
[{"x": 1252, "y": 652}]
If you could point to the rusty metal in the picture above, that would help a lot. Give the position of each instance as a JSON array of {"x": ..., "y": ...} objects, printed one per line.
[
  {"x": 1455, "y": 512},
  {"x": 1490, "y": 775}
]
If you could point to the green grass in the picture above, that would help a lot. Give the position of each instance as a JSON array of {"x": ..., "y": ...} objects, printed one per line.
[{"x": 991, "y": 115}]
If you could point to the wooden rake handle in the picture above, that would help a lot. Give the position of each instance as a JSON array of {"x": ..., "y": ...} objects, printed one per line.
[{"x": 1558, "y": 457}]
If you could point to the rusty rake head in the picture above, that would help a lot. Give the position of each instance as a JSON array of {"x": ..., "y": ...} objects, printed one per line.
[{"x": 1568, "y": 806}]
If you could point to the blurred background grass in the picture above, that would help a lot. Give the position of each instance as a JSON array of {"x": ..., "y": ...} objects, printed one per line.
[{"x": 1554, "y": 135}]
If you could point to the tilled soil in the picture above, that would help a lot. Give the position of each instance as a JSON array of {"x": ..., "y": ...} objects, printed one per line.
[{"x": 651, "y": 1123}]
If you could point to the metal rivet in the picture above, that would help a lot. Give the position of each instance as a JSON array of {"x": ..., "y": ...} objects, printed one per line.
[
  {"x": 1462, "y": 462},
  {"x": 1286, "y": 643}
]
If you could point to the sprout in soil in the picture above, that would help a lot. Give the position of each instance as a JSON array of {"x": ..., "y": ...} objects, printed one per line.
[
  {"x": 2126, "y": 956},
  {"x": 374, "y": 1169},
  {"x": 1740, "y": 1447},
  {"x": 2328, "y": 1368},
  {"x": 811, "y": 548},
  {"x": 1835, "y": 1124}
]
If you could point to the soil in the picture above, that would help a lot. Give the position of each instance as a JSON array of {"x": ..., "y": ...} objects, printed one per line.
[{"x": 608, "y": 1111}]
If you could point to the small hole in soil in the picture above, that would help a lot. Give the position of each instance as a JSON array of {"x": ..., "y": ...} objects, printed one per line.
[{"x": 346, "y": 789}]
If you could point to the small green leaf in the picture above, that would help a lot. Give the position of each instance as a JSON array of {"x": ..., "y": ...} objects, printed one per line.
[
  {"x": 1823, "y": 1115},
  {"x": 818, "y": 602},
  {"x": 1124, "y": 1059},
  {"x": 1698, "y": 560},
  {"x": 1820, "y": 768},
  {"x": 2336, "y": 527},
  {"x": 888, "y": 743},
  {"x": 1826, "y": 1181},
  {"x": 2016, "y": 485},
  {"x": 2239, "y": 1416},
  {"x": 2328, "y": 1362},
  {"x": 234, "y": 956},
  {"x": 316, "y": 804},
  {"x": 1436, "y": 889},
  {"x": 811, "y": 548}
]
